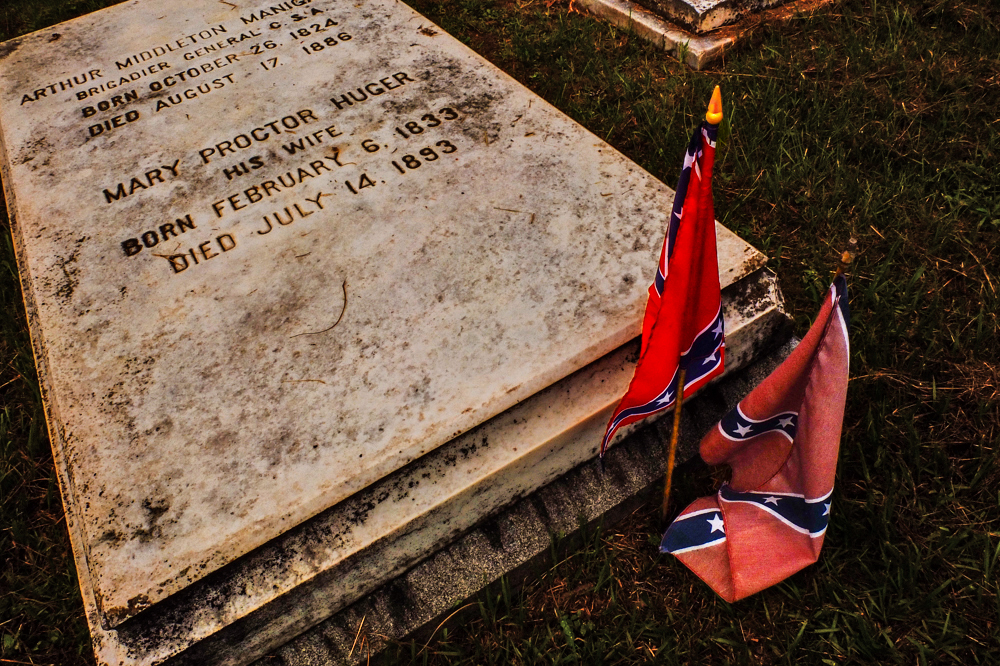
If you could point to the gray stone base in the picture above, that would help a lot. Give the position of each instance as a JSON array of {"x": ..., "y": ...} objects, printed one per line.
[{"x": 518, "y": 538}]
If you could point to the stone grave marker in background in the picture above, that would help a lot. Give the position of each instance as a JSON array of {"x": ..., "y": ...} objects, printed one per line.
[
  {"x": 312, "y": 289},
  {"x": 702, "y": 16},
  {"x": 697, "y": 32}
]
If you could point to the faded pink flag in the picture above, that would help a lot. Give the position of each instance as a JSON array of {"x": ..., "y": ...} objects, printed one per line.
[{"x": 782, "y": 443}]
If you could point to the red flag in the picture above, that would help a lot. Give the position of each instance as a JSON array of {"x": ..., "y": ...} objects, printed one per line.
[
  {"x": 682, "y": 327},
  {"x": 782, "y": 442}
]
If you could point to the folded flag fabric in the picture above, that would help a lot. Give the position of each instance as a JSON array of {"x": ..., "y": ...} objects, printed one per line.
[
  {"x": 782, "y": 442},
  {"x": 682, "y": 327}
]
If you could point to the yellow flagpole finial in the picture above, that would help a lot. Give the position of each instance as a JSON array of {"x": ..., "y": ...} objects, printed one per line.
[{"x": 714, "y": 115}]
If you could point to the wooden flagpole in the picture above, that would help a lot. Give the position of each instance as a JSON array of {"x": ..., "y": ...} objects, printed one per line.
[{"x": 672, "y": 449}]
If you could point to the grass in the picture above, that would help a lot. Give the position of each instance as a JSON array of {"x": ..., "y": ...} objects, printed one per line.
[{"x": 874, "y": 119}]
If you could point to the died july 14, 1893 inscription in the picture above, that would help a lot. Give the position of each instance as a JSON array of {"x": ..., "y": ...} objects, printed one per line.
[{"x": 274, "y": 252}]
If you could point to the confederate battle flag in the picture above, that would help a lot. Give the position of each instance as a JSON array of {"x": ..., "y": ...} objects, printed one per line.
[
  {"x": 782, "y": 442},
  {"x": 682, "y": 327}
]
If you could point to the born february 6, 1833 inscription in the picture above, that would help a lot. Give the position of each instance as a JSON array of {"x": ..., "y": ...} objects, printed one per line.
[{"x": 272, "y": 252}]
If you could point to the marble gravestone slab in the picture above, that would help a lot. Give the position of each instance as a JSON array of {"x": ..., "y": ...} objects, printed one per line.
[{"x": 272, "y": 253}]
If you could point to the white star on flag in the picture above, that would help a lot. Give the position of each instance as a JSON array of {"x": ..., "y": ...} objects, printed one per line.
[
  {"x": 826, "y": 506},
  {"x": 742, "y": 430},
  {"x": 785, "y": 422},
  {"x": 665, "y": 398},
  {"x": 719, "y": 328},
  {"x": 771, "y": 500},
  {"x": 717, "y": 524}
]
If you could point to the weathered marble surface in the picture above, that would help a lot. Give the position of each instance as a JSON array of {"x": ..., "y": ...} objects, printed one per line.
[
  {"x": 316, "y": 569},
  {"x": 200, "y": 407}
]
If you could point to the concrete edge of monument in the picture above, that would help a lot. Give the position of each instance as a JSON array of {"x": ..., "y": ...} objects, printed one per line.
[
  {"x": 697, "y": 50},
  {"x": 517, "y": 540},
  {"x": 316, "y": 570}
]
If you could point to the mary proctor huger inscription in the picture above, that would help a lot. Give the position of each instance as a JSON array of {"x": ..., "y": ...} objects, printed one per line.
[{"x": 273, "y": 252}]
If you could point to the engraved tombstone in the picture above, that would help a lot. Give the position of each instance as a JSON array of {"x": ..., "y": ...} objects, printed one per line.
[{"x": 279, "y": 259}]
